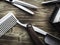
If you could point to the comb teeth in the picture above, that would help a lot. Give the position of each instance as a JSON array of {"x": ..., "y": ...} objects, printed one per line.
[{"x": 6, "y": 23}]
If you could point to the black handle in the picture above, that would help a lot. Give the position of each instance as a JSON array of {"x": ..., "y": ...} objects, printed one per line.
[{"x": 33, "y": 35}]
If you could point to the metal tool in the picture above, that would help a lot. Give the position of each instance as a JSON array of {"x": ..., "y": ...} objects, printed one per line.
[
  {"x": 20, "y": 4},
  {"x": 8, "y": 21},
  {"x": 50, "y": 2},
  {"x": 49, "y": 39},
  {"x": 33, "y": 35},
  {"x": 55, "y": 18}
]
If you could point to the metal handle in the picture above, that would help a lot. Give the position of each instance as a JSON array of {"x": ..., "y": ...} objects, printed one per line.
[{"x": 33, "y": 35}]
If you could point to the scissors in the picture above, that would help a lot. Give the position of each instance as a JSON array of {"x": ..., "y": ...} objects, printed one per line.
[{"x": 22, "y": 5}]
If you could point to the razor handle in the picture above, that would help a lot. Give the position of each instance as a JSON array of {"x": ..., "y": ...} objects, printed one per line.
[{"x": 33, "y": 35}]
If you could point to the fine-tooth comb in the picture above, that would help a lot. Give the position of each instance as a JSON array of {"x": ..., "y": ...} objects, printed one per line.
[{"x": 6, "y": 23}]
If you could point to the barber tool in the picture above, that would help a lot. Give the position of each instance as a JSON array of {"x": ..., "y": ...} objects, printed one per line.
[
  {"x": 55, "y": 18},
  {"x": 22, "y": 5},
  {"x": 6, "y": 23},
  {"x": 33, "y": 35},
  {"x": 49, "y": 39},
  {"x": 50, "y": 2}
]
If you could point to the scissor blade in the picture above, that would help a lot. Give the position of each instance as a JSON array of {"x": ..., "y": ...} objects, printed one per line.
[
  {"x": 23, "y": 8},
  {"x": 22, "y": 3},
  {"x": 25, "y": 4}
]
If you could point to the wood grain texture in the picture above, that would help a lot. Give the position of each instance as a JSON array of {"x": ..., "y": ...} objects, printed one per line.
[{"x": 18, "y": 35}]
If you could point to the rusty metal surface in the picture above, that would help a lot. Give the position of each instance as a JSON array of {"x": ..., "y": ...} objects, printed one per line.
[{"x": 18, "y": 35}]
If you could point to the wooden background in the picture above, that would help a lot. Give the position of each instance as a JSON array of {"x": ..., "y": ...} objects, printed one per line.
[{"x": 18, "y": 35}]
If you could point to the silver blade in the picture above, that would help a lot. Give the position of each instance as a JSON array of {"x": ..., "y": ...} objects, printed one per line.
[
  {"x": 23, "y": 8},
  {"x": 23, "y": 3},
  {"x": 50, "y": 40},
  {"x": 39, "y": 30}
]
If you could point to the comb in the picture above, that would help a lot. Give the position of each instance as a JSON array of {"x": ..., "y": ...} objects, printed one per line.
[{"x": 6, "y": 23}]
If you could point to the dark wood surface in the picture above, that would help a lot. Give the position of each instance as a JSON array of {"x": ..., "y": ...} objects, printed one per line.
[{"x": 18, "y": 35}]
